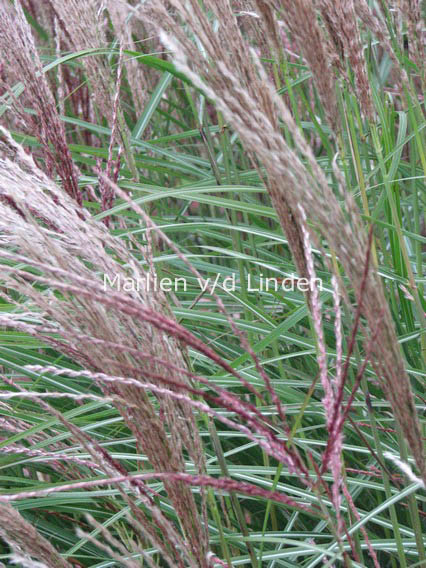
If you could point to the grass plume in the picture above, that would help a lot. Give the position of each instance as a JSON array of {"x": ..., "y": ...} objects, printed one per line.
[{"x": 211, "y": 296}]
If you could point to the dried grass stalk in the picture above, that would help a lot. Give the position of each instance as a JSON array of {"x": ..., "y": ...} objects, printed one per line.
[
  {"x": 71, "y": 243},
  {"x": 301, "y": 19},
  {"x": 84, "y": 22},
  {"x": 24, "y": 540},
  {"x": 342, "y": 25},
  {"x": 17, "y": 45},
  {"x": 237, "y": 84},
  {"x": 171, "y": 545},
  {"x": 121, "y": 20}
]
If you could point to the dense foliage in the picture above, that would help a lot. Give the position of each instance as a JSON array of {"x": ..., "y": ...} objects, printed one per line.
[{"x": 172, "y": 174}]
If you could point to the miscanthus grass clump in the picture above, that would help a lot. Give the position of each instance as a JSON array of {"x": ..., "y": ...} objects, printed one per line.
[{"x": 220, "y": 145}]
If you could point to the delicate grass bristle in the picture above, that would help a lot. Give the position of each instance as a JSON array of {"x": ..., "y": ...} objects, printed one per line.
[{"x": 212, "y": 310}]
